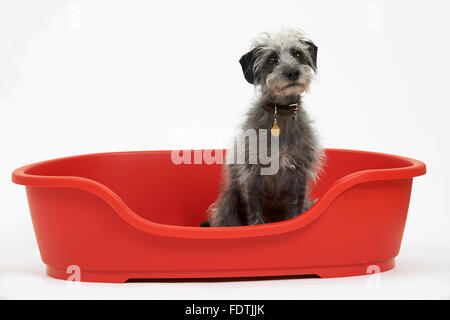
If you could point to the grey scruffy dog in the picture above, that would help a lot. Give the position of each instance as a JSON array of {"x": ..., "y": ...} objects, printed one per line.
[{"x": 281, "y": 66}]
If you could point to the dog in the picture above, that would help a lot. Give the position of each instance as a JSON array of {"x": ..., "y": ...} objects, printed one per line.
[{"x": 281, "y": 65}]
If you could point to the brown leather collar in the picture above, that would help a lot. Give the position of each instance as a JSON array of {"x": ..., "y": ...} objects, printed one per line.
[{"x": 282, "y": 110}]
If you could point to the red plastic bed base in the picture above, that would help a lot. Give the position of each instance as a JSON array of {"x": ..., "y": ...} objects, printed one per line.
[{"x": 135, "y": 215}]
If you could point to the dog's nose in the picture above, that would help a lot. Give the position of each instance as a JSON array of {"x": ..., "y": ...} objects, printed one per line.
[{"x": 292, "y": 74}]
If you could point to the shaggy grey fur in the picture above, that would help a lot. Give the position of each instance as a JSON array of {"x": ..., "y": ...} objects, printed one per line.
[{"x": 281, "y": 66}]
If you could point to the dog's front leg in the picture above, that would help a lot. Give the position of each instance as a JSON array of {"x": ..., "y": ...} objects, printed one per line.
[
  {"x": 253, "y": 201},
  {"x": 297, "y": 203}
]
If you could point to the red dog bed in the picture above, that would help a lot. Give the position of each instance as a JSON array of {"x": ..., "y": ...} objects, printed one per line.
[{"x": 134, "y": 215}]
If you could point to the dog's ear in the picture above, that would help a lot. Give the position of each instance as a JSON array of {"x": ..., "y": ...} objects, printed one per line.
[
  {"x": 312, "y": 49},
  {"x": 247, "y": 61}
]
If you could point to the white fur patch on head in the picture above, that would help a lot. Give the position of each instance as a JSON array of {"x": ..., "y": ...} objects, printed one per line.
[{"x": 280, "y": 39}]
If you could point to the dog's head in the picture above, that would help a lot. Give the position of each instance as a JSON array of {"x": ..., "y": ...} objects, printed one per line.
[{"x": 283, "y": 64}]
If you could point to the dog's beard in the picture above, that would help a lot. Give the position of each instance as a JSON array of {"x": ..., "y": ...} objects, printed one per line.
[
  {"x": 291, "y": 89},
  {"x": 285, "y": 96},
  {"x": 283, "y": 92}
]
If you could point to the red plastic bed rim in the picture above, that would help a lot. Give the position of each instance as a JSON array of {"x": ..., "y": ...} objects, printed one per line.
[{"x": 412, "y": 168}]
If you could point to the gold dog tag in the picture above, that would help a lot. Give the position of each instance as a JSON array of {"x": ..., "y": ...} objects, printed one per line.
[{"x": 275, "y": 131}]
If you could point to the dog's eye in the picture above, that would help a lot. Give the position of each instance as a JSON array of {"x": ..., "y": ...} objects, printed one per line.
[
  {"x": 272, "y": 60},
  {"x": 297, "y": 53}
]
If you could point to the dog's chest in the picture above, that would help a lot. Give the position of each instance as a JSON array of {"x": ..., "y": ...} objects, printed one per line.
[
  {"x": 287, "y": 162},
  {"x": 286, "y": 177}
]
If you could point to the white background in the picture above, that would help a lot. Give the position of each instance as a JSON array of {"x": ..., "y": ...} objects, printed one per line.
[{"x": 79, "y": 77}]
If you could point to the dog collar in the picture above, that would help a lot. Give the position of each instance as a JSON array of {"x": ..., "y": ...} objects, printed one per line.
[
  {"x": 281, "y": 110},
  {"x": 286, "y": 110}
]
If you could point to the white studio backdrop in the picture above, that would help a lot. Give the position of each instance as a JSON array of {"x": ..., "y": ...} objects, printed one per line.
[{"x": 96, "y": 76}]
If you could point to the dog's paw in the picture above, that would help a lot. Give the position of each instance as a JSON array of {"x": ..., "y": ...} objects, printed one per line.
[{"x": 205, "y": 224}]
